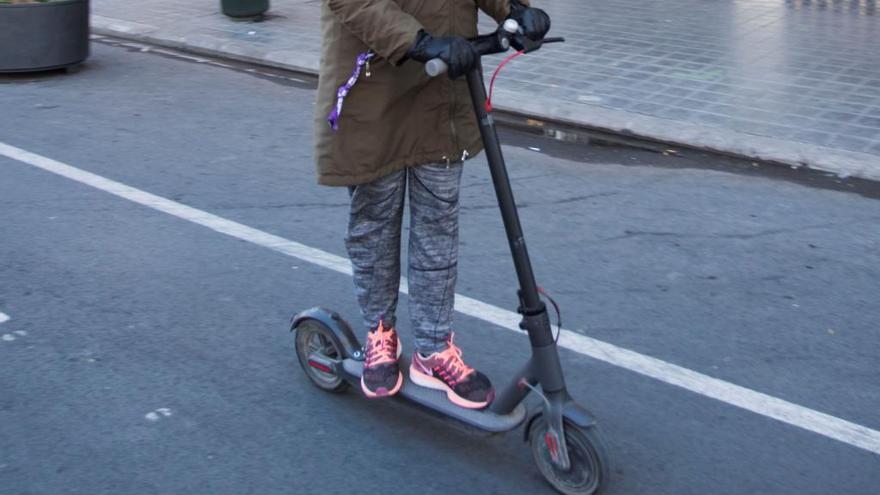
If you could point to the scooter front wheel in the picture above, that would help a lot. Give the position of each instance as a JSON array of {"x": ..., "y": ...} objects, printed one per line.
[
  {"x": 319, "y": 356},
  {"x": 588, "y": 472}
]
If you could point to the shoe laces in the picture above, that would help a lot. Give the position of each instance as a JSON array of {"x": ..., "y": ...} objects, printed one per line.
[
  {"x": 453, "y": 365},
  {"x": 380, "y": 346}
]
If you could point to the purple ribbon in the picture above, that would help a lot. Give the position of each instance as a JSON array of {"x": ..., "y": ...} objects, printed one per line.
[{"x": 342, "y": 92}]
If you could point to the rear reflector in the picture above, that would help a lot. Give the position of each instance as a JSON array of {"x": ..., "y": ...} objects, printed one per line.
[{"x": 319, "y": 366}]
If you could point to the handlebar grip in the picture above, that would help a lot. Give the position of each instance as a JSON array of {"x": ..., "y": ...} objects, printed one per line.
[{"x": 435, "y": 67}]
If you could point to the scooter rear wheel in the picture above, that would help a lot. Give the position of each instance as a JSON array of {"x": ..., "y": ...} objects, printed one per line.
[
  {"x": 313, "y": 339},
  {"x": 588, "y": 472}
]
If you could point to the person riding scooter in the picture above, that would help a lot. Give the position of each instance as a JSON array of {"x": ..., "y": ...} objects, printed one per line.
[{"x": 399, "y": 127}]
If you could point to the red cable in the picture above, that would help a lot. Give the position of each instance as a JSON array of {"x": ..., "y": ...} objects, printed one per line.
[{"x": 495, "y": 74}]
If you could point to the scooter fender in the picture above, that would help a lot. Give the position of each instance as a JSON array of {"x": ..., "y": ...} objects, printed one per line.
[
  {"x": 341, "y": 331},
  {"x": 571, "y": 411}
]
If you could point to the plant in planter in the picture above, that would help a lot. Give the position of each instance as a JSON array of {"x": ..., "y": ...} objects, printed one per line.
[
  {"x": 244, "y": 8},
  {"x": 43, "y": 34}
]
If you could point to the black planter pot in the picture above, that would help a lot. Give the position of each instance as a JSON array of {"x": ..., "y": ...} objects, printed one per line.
[
  {"x": 244, "y": 8},
  {"x": 43, "y": 36}
]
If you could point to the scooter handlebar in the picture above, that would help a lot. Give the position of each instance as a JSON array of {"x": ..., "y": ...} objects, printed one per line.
[
  {"x": 435, "y": 67},
  {"x": 497, "y": 42}
]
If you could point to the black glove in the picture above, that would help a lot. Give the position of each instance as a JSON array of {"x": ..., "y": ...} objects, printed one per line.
[
  {"x": 459, "y": 55},
  {"x": 535, "y": 23}
]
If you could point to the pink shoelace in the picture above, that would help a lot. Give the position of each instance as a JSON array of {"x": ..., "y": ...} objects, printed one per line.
[
  {"x": 453, "y": 368},
  {"x": 381, "y": 347}
]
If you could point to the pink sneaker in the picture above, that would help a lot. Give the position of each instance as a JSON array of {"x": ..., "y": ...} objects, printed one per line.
[
  {"x": 381, "y": 377},
  {"x": 464, "y": 386}
]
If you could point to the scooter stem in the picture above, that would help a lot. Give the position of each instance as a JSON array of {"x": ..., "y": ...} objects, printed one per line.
[
  {"x": 529, "y": 297},
  {"x": 544, "y": 366}
]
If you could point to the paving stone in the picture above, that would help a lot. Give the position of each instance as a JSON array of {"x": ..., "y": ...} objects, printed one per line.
[
  {"x": 872, "y": 122},
  {"x": 852, "y": 143}
]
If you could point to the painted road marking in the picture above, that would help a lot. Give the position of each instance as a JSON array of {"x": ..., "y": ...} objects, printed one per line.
[
  {"x": 158, "y": 414},
  {"x": 7, "y": 337},
  {"x": 742, "y": 397}
]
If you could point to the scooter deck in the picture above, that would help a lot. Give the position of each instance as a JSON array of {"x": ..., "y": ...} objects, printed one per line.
[{"x": 437, "y": 401}]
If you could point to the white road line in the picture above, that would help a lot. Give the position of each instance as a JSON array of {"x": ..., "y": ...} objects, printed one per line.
[
  {"x": 4, "y": 317},
  {"x": 757, "y": 402}
]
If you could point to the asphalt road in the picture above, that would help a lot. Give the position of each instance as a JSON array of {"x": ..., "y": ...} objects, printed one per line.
[{"x": 146, "y": 354}]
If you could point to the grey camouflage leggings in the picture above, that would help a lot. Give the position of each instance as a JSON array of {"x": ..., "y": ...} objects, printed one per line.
[{"x": 373, "y": 244}]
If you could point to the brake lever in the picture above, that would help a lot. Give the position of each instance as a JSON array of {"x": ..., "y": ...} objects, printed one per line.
[{"x": 529, "y": 46}]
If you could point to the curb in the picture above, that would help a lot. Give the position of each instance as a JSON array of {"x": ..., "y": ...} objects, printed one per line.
[
  {"x": 203, "y": 45},
  {"x": 585, "y": 116},
  {"x": 842, "y": 163}
]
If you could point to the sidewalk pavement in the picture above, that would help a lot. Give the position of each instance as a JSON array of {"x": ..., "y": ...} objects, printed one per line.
[{"x": 796, "y": 82}]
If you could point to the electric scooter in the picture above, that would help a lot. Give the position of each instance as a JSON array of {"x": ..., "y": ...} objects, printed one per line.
[{"x": 565, "y": 440}]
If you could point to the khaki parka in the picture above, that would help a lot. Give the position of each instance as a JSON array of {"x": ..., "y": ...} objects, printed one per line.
[{"x": 395, "y": 116}]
